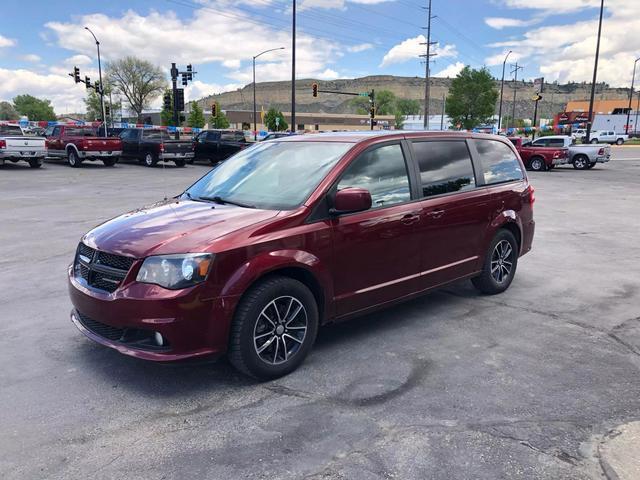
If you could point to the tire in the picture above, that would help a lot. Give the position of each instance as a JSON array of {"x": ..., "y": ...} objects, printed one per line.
[
  {"x": 36, "y": 163},
  {"x": 150, "y": 159},
  {"x": 180, "y": 163},
  {"x": 591, "y": 165},
  {"x": 537, "y": 164},
  {"x": 594, "y": 140},
  {"x": 619, "y": 141},
  {"x": 581, "y": 162},
  {"x": 73, "y": 159},
  {"x": 110, "y": 162},
  {"x": 256, "y": 315},
  {"x": 491, "y": 283},
  {"x": 551, "y": 167}
]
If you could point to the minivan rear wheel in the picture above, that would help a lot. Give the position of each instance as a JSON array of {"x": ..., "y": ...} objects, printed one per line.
[
  {"x": 274, "y": 328},
  {"x": 499, "y": 265}
]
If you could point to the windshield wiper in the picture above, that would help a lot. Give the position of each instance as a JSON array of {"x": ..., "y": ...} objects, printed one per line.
[{"x": 223, "y": 201}]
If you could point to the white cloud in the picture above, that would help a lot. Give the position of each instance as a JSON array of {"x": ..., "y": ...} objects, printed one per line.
[
  {"x": 193, "y": 40},
  {"x": 335, "y": 4},
  {"x": 566, "y": 52},
  {"x": 198, "y": 89},
  {"x": 78, "y": 60},
  {"x": 360, "y": 47},
  {"x": 412, "y": 48},
  {"x": 563, "y": 6},
  {"x": 31, "y": 57},
  {"x": 500, "y": 22},
  {"x": 6, "y": 42},
  {"x": 451, "y": 71}
]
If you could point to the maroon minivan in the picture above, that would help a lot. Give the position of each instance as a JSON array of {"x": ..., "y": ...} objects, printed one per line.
[{"x": 294, "y": 233}]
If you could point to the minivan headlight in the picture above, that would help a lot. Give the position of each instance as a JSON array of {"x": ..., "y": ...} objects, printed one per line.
[{"x": 175, "y": 271}]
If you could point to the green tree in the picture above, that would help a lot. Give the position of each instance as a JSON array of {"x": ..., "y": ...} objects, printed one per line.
[
  {"x": 7, "y": 112},
  {"x": 220, "y": 120},
  {"x": 399, "y": 120},
  {"x": 384, "y": 101},
  {"x": 94, "y": 106},
  {"x": 406, "y": 106},
  {"x": 272, "y": 124},
  {"x": 472, "y": 98},
  {"x": 138, "y": 80},
  {"x": 196, "y": 117},
  {"x": 34, "y": 108}
]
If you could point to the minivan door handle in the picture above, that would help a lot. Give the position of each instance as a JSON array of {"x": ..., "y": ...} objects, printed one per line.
[
  {"x": 410, "y": 218},
  {"x": 436, "y": 213}
]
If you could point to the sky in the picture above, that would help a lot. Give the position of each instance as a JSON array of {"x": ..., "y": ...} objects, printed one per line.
[{"x": 41, "y": 42}]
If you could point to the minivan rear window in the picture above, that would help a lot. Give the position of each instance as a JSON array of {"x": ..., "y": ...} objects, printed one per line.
[
  {"x": 499, "y": 163},
  {"x": 445, "y": 167}
]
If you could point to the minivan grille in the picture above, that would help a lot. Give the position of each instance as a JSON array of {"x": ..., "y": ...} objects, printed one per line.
[{"x": 101, "y": 270}]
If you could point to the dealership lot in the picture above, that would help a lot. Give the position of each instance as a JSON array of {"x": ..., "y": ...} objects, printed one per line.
[{"x": 533, "y": 383}]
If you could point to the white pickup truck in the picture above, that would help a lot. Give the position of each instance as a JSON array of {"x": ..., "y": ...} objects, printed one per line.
[
  {"x": 582, "y": 157},
  {"x": 15, "y": 146},
  {"x": 607, "y": 136}
]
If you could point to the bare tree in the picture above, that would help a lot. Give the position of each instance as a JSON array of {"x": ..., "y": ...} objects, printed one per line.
[{"x": 138, "y": 80}]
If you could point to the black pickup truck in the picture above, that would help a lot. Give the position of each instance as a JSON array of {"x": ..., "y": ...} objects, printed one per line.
[
  {"x": 216, "y": 145},
  {"x": 153, "y": 145}
]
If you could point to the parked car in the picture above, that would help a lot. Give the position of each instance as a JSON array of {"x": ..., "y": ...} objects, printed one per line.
[
  {"x": 539, "y": 158},
  {"x": 153, "y": 145},
  {"x": 298, "y": 232},
  {"x": 607, "y": 136},
  {"x": 16, "y": 146},
  {"x": 217, "y": 145},
  {"x": 78, "y": 144},
  {"x": 274, "y": 135},
  {"x": 581, "y": 157},
  {"x": 578, "y": 133}
]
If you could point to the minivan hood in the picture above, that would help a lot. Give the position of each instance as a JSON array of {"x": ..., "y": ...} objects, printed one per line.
[{"x": 172, "y": 227}]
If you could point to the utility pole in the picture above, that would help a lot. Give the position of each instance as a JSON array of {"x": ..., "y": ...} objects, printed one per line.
[
  {"x": 178, "y": 93},
  {"x": 294, "y": 127},
  {"x": 427, "y": 56},
  {"x": 444, "y": 107},
  {"x": 515, "y": 90},
  {"x": 626, "y": 127},
  {"x": 587, "y": 137},
  {"x": 504, "y": 63}
]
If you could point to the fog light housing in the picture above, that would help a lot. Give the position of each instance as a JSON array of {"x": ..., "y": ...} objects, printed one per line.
[{"x": 158, "y": 338}]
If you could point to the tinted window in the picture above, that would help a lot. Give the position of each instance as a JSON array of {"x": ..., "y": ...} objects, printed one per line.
[
  {"x": 556, "y": 142},
  {"x": 383, "y": 172},
  {"x": 10, "y": 131},
  {"x": 213, "y": 136},
  {"x": 444, "y": 167},
  {"x": 80, "y": 132},
  {"x": 228, "y": 137},
  {"x": 499, "y": 163},
  {"x": 155, "y": 135},
  {"x": 128, "y": 135},
  {"x": 543, "y": 142}
]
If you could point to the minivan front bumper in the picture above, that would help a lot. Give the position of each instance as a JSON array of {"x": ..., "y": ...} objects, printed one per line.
[{"x": 190, "y": 323}]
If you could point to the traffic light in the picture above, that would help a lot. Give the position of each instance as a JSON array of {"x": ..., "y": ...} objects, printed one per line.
[
  {"x": 180, "y": 99},
  {"x": 214, "y": 110},
  {"x": 314, "y": 89},
  {"x": 182, "y": 118},
  {"x": 372, "y": 111},
  {"x": 107, "y": 110},
  {"x": 184, "y": 79},
  {"x": 76, "y": 74},
  {"x": 189, "y": 72},
  {"x": 97, "y": 86},
  {"x": 87, "y": 82},
  {"x": 167, "y": 101}
]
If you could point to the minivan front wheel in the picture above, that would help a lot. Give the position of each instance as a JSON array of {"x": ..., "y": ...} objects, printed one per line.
[
  {"x": 499, "y": 265},
  {"x": 274, "y": 328}
]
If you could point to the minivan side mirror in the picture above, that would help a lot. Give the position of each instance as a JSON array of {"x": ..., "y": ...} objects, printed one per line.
[{"x": 350, "y": 200}]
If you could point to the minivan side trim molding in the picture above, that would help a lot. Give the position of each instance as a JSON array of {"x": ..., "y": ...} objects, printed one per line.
[{"x": 410, "y": 277}]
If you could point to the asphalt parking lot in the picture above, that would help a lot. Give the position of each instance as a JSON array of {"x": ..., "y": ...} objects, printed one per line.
[{"x": 534, "y": 383}]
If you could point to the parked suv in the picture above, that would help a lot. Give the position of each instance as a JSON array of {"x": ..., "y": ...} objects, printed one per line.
[{"x": 297, "y": 232}]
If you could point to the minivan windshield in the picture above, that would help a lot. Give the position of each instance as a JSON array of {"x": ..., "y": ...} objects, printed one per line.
[{"x": 278, "y": 175}]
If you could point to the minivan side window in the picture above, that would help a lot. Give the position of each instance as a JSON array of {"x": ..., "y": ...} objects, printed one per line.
[
  {"x": 382, "y": 171},
  {"x": 499, "y": 163},
  {"x": 445, "y": 167}
]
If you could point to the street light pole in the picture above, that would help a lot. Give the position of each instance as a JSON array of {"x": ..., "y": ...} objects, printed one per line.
[
  {"x": 293, "y": 70},
  {"x": 633, "y": 78},
  {"x": 504, "y": 63},
  {"x": 104, "y": 113},
  {"x": 595, "y": 74},
  {"x": 255, "y": 127}
]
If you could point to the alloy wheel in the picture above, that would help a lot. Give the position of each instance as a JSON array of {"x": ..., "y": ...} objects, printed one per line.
[
  {"x": 280, "y": 330},
  {"x": 148, "y": 160},
  {"x": 502, "y": 261}
]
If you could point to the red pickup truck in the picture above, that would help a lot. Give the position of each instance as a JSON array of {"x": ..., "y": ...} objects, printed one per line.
[
  {"x": 77, "y": 144},
  {"x": 539, "y": 158}
]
